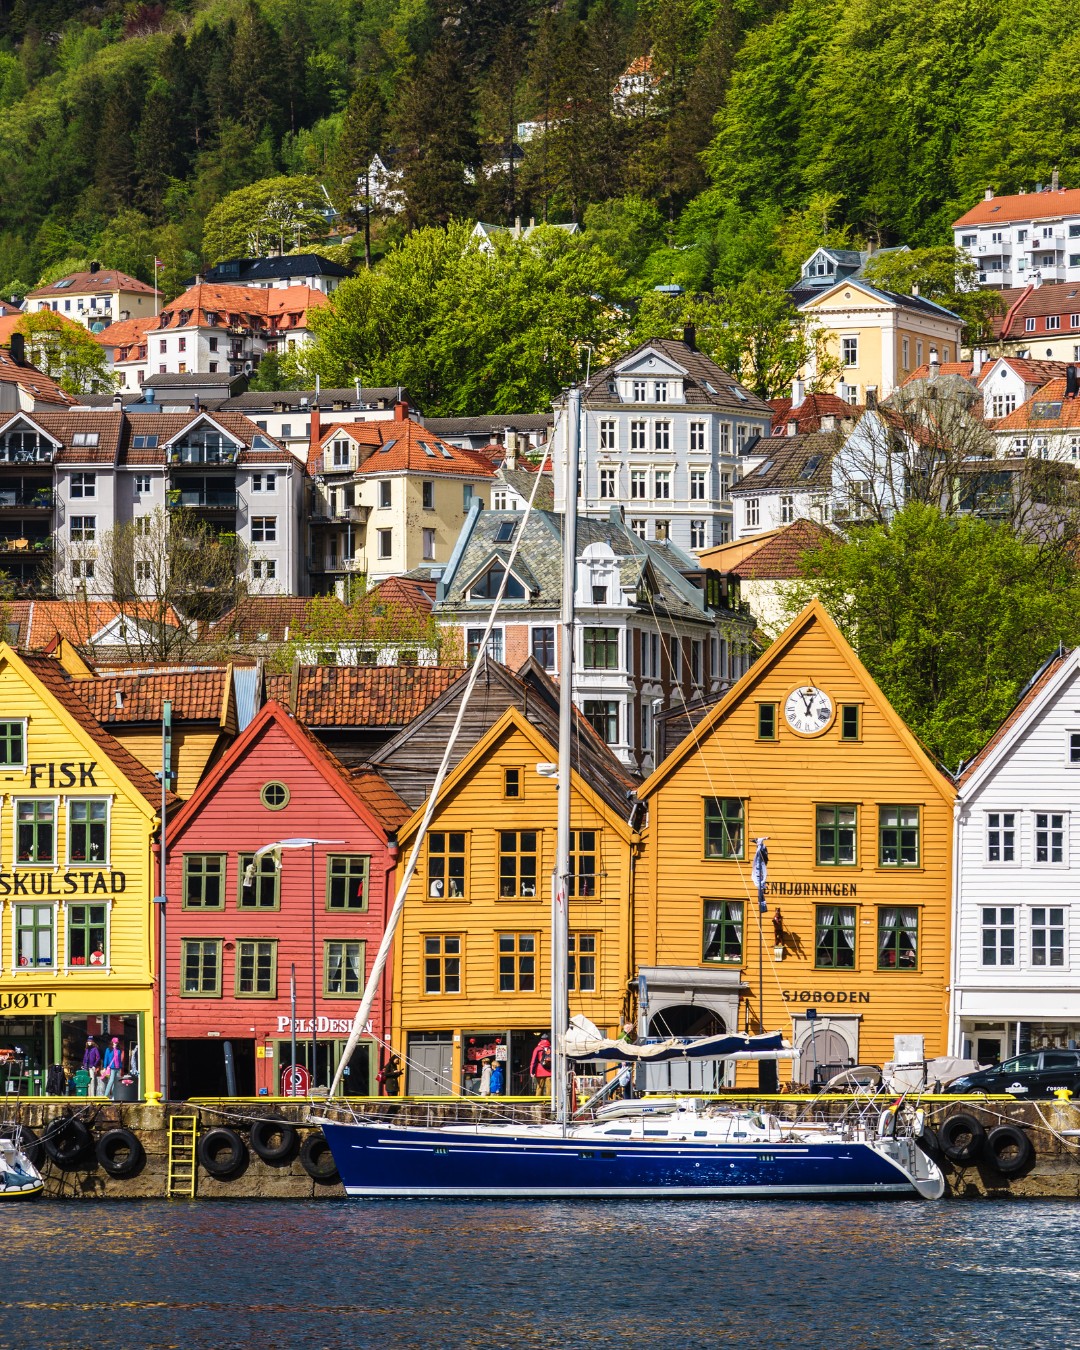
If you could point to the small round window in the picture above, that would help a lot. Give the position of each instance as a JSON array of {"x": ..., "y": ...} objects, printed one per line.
[{"x": 275, "y": 796}]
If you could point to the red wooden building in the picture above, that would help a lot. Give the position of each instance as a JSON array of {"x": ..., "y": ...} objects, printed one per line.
[{"x": 242, "y": 937}]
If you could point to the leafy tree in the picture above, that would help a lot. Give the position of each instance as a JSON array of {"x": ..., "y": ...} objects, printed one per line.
[
  {"x": 67, "y": 353},
  {"x": 269, "y": 375},
  {"x": 276, "y": 213},
  {"x": 625, "y": 228},
  {"x": 361, "y": 136},
  {"x": 945, "y": 275}
]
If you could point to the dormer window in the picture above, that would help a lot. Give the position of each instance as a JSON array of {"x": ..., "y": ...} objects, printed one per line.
[
  {"x": 638, "y": 391},
  {"x": 487, "y": 586},
  {"x": 340, "y": 454},
  {"x": 660, "y": 391}
]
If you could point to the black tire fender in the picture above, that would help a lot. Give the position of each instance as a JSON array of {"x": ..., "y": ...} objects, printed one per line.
[
  {"x": 316, "y": 1158},
  {"x": 29, "y": 1140},
  {"x": 120, "y": 1153},
  {"x": 222, "y": 1152},
  {"x": 962, "y": 1138},
  {"x": 1009, "y": 1149},
  {"x": 262, "y": 1136},
  {"x": 929, "y": 1142},
  {"x": 67, "y": 1141}
]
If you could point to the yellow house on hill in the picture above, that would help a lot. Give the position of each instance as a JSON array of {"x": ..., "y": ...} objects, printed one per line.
[{"x": 854, "y": 949}]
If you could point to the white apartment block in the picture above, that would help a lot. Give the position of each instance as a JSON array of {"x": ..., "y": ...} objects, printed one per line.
[{"x": 1015, "y": 238}]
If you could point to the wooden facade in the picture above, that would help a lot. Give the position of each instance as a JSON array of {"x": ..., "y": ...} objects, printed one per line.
[{"x": 858, "y": 821}]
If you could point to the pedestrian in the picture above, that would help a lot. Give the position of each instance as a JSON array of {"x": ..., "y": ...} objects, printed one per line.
[
  {"x": 113, "y": 1066},
  {"x": 389, "y": 1077},
  {"x": 495, "y": 1086},
  {"x": 540, "y": 1066},
  {"x": 91, "y": 1062},
  {"x": 485, "y": 1077}
]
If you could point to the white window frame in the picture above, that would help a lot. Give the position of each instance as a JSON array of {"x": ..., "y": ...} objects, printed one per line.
[
  {"x": 849, "y": 349},
  {"x": 697, "y": 435},
  {"x": 699, "y": 478},
  {"x": 609, "y": 433},
  {"x": 1049, "y": 829},
  {"x": 997, "y": 927},
  {"x": 608, "y": 477},
  {"x": 1048, "y": 927},
  {"x": 639, "y": 433},
  {"x": 60, "y": 845},
  {"x": 662, "y": 485},
  {"x": 1069, "y": 760},
  {"x": 752, "y": 512},
  {"x": 661, "y": 435},
  {"x": 995, "y": 824},
  {"x": 34, "y": 901}
]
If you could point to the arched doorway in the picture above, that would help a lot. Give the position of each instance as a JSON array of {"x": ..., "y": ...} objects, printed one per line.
[
  {"x": 686, "y": 1019},
  {"x": 825, "y": 1052}
]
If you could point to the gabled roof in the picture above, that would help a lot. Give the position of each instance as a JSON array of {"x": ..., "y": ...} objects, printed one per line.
[
  {"x": 1036, "y": 694},
  {"x": 914, "y": 302},
  {"x": 522, "y": 481},
  {"x": 103, "y": 281},
  {"x": 489, "y": 424},
  {"x": 405, "y": 592},
  {"x": 1050, "y": 410},
  {"x": 39, "y": 622},
  {"x": 125, "y": 698},
  {"x": 1035, "y": 302},
  {"x": 361, "y": 696},
  {"x": 43, "y": 388},
  {"x": 1022, "y": 206},
  {"x": 706, "y": 384},
  {"x": 281, "y": 618},
  {"x": 249, "y": 270},
  {"x": 801, "y": 463},
  {"x": 774, "y": 556},
  {"x": 125, "y": 333},
  {"x": 288, "y": 305}
]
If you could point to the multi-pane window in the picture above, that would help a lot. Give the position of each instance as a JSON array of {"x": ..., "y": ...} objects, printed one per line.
[
  {"x": 35, "y": 830},
  {"x": 722, "y": 939},
  {"x": 753, "y": 512},
  {"x": 442, "y": 964},
  {"x": 637, "y": 525},
  {"x": 639, "y": 388},
  {"x": 849, "y": 351},
  {"x": 662, "y": 435},
  {"x": 608, "y": 435},
  {"x": 849, "y": 722},
  {"x": 83, "y": 529},
  {"x": 142, "y": 482},
  {"x": 256, "y": 968},
  {"x": 697, "y": 659},
  {"x": 12, "y": 745},
  {"x": 581, "y": 963},
  {"x": 1047, "y": 936},
  {"x": 1001, "y": 836},
  {"x": 512, "y": 783},
  {"x": 263, "y": 529},
  {"x": 607, "y": 483},
  {"x": 725, "y": 486},
  {"x": 473, "y": 639},
  {"x": 697, "y": 485},
  {"x": 543, "y": 647},
  {"x": 638, "y": 483},
  {"x": 601, "y": 648},
  {"x": 662, "y": 485},
  {"x": 86, "y": 935},
  {"x": 725, "y": 827},
  {"x": 725, "y": 438},
  {"x": 898, "y": 835},
  {"x": 200, "y": 967},
  {"x": 766, "y": 721},
  {"x": 583, "y": 863},
  {"x": 637, "y": 435},
  {"x": 660, "y": 391},
  {"x": 518, "y": 863},
  {"x": 343, "y": 969},
  {"x": 204, "y": 880},
  {"x": 697, "y": 534},
  {"x": 142, "y": 526},
  {"x": 898, "y": 937},
  {"x": 34, "y": 935},
  {"x": 602, "y": 714},
  {"x": 347, "y": 881},
  {"x": 835, "y": 836},
  {"x": 998, "y": 935},
  {"x": 697, "y": 435},
  {"x": 1074, "y": 747},
  {"x": 260, "y": 889},
  {"x": 88, "y": 831},
  {"x": 787, "y": 510},
  {"x": 1049, "y": 837},
  {"x": 517, "y": 963},
  {"x": 446, "y": 864},
  {"x": 834, "y": 937},
  {"x": 84, "y": 485}
]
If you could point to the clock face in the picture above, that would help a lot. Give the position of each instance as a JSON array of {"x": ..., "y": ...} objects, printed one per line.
[{"x": 808, "y": 710}]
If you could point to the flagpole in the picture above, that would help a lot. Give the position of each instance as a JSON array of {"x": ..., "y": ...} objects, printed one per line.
[{"x": 759, "y": 876}]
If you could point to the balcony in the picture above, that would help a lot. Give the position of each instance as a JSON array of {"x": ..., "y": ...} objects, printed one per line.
[
  {"x": 22, "y": 547},
  {"x": 40, "y": 501},
  {"x": 178, "y": 500},
  {"x": 20, "y": 449},
  {"x": 335, "y": 565},
  {"x": 349, "y": 515},
  {"x": 188, "y": 454}
]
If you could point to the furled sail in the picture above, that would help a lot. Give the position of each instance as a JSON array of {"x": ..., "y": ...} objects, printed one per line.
[{"x": 584, "y": 1040}]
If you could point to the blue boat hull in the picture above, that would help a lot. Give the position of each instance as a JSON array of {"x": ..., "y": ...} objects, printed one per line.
[{"x": 385, "y": 1162}]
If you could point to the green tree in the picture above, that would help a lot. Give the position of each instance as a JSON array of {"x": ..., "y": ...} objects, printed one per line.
[
  {"x": 275, "y": 213},
  {"x": 361, "y": 136},
  {"x": 625, "y": 228},
  {"x": 269, "y": 375},
  {"x": 945, "y": 275},
  {"x": 67, "y": 353}
]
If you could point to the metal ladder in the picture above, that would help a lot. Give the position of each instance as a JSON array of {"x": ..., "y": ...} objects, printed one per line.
[{"x": 182, "y": 1135}]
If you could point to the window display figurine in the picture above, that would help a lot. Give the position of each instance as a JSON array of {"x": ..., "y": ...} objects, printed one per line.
[{"x": 113, "y": 1066}]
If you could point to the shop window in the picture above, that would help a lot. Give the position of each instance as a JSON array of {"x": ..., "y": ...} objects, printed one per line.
[
  {"x": 256, "y": 968},
  {"x": 1049, "y": 838},
  {"x": 999, "y": 935},
  {"x": 34, "y": 935},
  {"x": 724, "y": 827},
  {"x": 88, "y": 831},
  {"x": 204, "y": 880},
  {"x": 35, "y": 831},
  {"x": 517, "y": 864},
  {"x": 343, "y": 969},
  {"x": 1001, "y": 836},
  {"x": 581, "y": 963},
  {"x": 517, "y": 963},
  {"x": 834, "y": 937},
  {"x": 442, "y": 964},
  {"x": 274, "y": 796},
  {"x": 835, "y": 836},
  {"x": 200, "y": 960},
  {"x": 723, "y": 935},
  {"x": 260, "y": 889},
  {"x": 898, "y": 833},
  {"x": 347, "y": 881},
  {"x": 898, "y": 937},
  {"x": 86, "y": 935},
  {"x": 446, "y": 864},
  {"x": 849, "y": 722},
  {"x": 766, "y": 721},
  {"x": 511, "y": 782},
  {"x": 583, "y": 864},
  {"x": 13, "y": 745},
  {"x": 1047, "y": 936}
]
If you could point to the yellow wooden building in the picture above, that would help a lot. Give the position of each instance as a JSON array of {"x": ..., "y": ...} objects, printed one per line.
[
  {"x": 472, "y": 975},
  {"x": 806, "y": 751},
  {"x": 77, "y": 817}
]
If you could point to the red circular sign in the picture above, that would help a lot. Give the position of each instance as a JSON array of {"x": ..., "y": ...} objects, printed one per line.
[{"x": 295, "y": 1081}]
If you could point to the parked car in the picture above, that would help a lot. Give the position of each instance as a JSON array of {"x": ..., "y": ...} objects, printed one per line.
[{"x": 1037, "y": 1074}]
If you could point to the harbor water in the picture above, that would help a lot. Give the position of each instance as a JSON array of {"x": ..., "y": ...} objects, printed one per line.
[{"x": 303, "y": 1276}]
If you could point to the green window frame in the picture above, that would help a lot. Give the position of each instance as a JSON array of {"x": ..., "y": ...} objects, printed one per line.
[
  {"x": 836, "y": 835},
  {"x": 203, "y": 881},
  {"x": 446, "y": 864},
  {"x": 834, "y": 937},
  {"x": 600, "y": 648},
  {"x": 519, "y": 859},
  {"x": 343, "y": 969},
  {"x": 87, "y": 935},
  {"x": 35, "y": 945},
  {"x": 766, "y": 722},
  {"x": 898, "y": 836},
  {"x": 264, "y": 891},
  {"x": 517, "y": 963},
  {"x": 722, "y": 935},
  {"x": 850, "y": 722},
  {"x": 898, "y": 937},
  {"x": 725, "y": 827},
  {"x": 200, "y": 967},
  {"x": 581, "y": 954},
  {"x": 256, "y": 968},
  {"x": 88, "y": 830},
  {"x": 13, "y": 744},
  {"x": 583, "y": 858},
  {"x": 347, "y": 882},
  {"x": 35, "y": 831},
  {"x": 442, "y": 963}
]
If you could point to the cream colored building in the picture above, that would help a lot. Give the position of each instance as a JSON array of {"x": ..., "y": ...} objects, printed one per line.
[{"x": 97, "y": 298}]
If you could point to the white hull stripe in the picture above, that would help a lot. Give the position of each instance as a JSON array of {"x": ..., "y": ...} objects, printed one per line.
[{"x": 615, "y": 1192}]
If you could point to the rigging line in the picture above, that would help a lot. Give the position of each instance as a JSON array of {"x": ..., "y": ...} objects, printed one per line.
[{"x": 393, "y": 918}]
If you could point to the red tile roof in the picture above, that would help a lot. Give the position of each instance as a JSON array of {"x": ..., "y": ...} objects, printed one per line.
[
  {"x": 780, "y": 557},
  {"x": 1027, "y": 697},
  {"x": 196, "y": 695},
  {"x": 810, "y": 411},
  {"x": 1037, "y": 302},
  {"x": 373, "y": 788},
  {"x": 126, "y": 334},
  {"x": 359, "y": 696},
  {"x": 405, "y": 592},
  {"x": 403, "y": 447},
  {"x": 40, "y": 622},
  {"x": 43, "y": 388},
  {"x": 279, "y": 308},
  {"x": 1022, "y": 206},
  {"x": 1035, "y": 414},
  {"x": 105, "y": 280}
]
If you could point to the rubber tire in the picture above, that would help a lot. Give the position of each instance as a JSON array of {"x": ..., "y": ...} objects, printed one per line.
[
  {"x": 264, "y": 1130},
  {"x": 29, "y": 1140},
  {"x": 316, "y": 1158},
  {"x": 1009, "y": 1136},
  {"x": 929, "y": 1142},
  {"x": 79, "y": 1142},
  {"x": 955, "y": 1126},
  {"x": 210, "y": 1155},
  {"x": 116, "y": 1141}
]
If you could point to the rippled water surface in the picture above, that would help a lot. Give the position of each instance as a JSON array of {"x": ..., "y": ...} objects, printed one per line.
[{"x": 267, "y": 1276}]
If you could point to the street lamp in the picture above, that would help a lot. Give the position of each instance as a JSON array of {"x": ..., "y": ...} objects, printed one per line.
[{"x": 249, "y": 877}]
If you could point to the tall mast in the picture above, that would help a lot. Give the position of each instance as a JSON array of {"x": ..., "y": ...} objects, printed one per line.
[{"x": 560, "y": 888}]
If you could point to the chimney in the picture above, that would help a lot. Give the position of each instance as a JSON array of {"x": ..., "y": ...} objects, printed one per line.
[
  {"x": 689, "y": 336},
  {"x": 976, "y": 362},
  {"x": 1054, "y": 180},
  {"x": 18, "y": 349},
  {"x": 197, "y": 404},
  {"x": 988, "y": 195},
  {"x": 401, "y": 410},
  {"x": 915, "y": 288},
  {"x": 828, "y": 422},
  {"x": 95, "y": 267},
  {"x": 511, "y": 443},
  {"x": 1036, "y": 280},
  {"x": 1072, "y": 382},
  {"x": 793, "y": 428},
  {"x": 798, "y": 393},
  {"x": 314, "y": 430},
  {"x": 871, "y": 396},
  {"x": 118, "y": 399},
  {"x": 935, "y": 364},
  {"x": 1038, "y": 187}
]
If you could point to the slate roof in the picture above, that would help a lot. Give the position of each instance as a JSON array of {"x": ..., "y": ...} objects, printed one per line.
[
  {"x": 250, "y": 270},
  {"x": 802, "y": 463},
  {"x": 701, "y": 371},
  {"x": 919, "y": 303},
  {"x": 196, "y": 695},
  {"x": 489, "y": 424},
  {"x": 362, "y": 696},
  {"x": 1022, "y": 206},
  {"x": 115, "y": 429},
  {"x": 523, "y": 481}
]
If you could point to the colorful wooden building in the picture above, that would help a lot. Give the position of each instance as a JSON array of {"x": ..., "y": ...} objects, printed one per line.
[
  {"x": 854, "y": 949},
  {"x": 238, "y": 939}
]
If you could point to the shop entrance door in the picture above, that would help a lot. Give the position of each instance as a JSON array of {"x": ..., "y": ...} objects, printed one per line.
[
  {"x": 197, "y": 1068},
  {"x": 355, "y": 1082},
  {"x": 430, "y": 1064}
]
